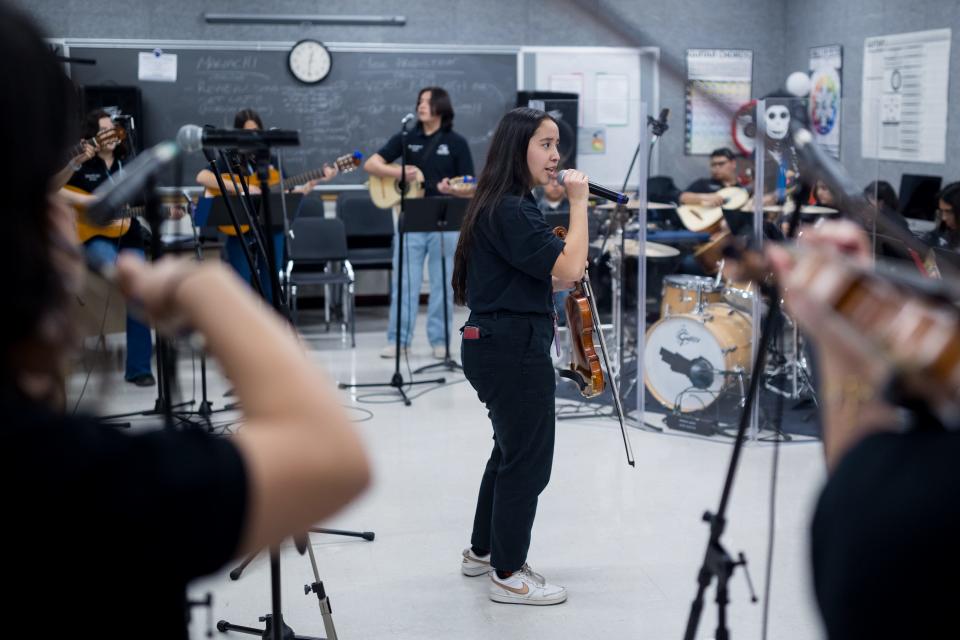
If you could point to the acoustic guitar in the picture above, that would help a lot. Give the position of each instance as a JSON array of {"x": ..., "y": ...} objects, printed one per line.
[
  {"x": 385, "y": 192},
  {"x": 702, "y": 218},
  {"x": 345, "y": 164},
  {"x": 121, "y": 224}
]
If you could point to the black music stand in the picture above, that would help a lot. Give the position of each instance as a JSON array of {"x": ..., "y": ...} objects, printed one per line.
[
  {"x": 219, "y": 216},
  {"x": 438, "y": 214}
]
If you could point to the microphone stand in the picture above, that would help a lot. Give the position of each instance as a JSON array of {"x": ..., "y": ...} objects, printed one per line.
[
  {"x": 717, "y": 562},
  {"x": 233, "y": 215},
  {"x": 256, "y": 229},
  {"x": 397, "y": 381},
  {"x": 274, "y": 626}
]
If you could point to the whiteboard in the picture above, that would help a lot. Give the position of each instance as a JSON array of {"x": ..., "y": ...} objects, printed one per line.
[{"x": 631, "y": 71}]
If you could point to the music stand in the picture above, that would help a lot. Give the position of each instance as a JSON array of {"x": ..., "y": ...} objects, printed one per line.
[
  {"x": 432, "y": 215},
  {"x": 218, "y": 215}
]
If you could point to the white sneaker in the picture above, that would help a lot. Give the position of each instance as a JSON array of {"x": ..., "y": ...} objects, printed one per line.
[
  {"x": 474, "y": 565},
  {"x": 439, "y": 351},
  {"x": 525, "y": 587},
  {"x": 390, "y": 351}
]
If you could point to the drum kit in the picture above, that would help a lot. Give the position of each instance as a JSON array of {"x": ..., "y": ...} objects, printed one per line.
[{"x": 699, "y": 350}]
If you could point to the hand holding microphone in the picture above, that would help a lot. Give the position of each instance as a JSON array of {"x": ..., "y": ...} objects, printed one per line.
[
  {"x": 600, "y": 191},
  {"x": 576, "y": 183}
]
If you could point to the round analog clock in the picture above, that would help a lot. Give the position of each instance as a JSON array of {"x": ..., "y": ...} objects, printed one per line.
[{"x": 309, "y": 61}]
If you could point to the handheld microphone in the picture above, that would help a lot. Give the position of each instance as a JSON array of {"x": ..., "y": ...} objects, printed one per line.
[
  {"x": 600, "y": 191},
  {"x": 193, "y": 138},
  {"x": 113, "y": 196}
]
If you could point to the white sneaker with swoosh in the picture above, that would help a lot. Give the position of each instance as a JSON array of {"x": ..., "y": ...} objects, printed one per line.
[
  {"x": 473, "y": 565},
  {"x": 525, "y": 587}
]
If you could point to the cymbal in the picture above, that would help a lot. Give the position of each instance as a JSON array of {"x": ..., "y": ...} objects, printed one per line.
[
  {"x": 654, "y": 250},
  {"x": 815, "y": 209},
  {"x": 634, "y": 205}
]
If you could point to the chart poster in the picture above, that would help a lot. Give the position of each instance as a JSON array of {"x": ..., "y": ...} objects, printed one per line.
[
  {"x": 826, "y": 65},
  {"x": 905, "y": 80},
  {"x": 718, "y": 82}
]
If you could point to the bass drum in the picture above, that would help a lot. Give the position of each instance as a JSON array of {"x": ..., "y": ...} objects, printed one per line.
[{"x": 690, "y": 358}]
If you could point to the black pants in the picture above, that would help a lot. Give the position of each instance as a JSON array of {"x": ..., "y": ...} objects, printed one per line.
[{"x": 509, "y": 366}]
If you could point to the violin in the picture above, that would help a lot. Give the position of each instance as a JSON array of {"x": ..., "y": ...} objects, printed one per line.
[
  {"x": 583, "y": 322},
  {"x": 584, "y": 369}
]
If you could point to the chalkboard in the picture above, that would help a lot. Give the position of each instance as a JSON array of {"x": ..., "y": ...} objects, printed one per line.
[{"x": 357, "y": 107}]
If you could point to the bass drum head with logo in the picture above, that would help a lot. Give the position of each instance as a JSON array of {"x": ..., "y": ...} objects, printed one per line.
[{"x": 718, "y": 340}]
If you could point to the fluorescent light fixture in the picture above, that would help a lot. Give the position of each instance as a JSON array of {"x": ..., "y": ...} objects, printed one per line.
[{"x": 341, "y": 20}]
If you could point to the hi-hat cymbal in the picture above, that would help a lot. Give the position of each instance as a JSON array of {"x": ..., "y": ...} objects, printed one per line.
[
  {"x": 634, "y": 205},
  {"x": 815, "y": 209}
]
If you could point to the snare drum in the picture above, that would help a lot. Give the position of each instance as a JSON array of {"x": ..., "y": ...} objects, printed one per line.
[
  {"x": 690, "y": 358},
  {"x": 684, "y": 293}
]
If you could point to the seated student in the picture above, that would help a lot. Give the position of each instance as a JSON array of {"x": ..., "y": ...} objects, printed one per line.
[
  {"x": 946, "y": 235},
  {"x": 888, "y": 515},
  {"x": 823, "y": 196},
  {"x": 552, "y": 197},
  {"x": 146, "y": 513},
  {"x": 882, "y": 195},
  {"x": 723, "y": 173},
  {"x": 233, "y": 249},
  {"x": 106, "y": 166}
]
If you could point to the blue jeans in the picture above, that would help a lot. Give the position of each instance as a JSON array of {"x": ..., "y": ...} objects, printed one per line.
[
  {"x": 419, "y": 246},
  {"x": 139, "y": 345},
  {"x": 235, "y": 256}
]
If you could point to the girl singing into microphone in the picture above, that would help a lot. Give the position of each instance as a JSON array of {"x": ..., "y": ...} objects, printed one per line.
[{"x": 508, "y": 262}]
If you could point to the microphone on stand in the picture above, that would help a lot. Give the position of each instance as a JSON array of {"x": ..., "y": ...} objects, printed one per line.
[
  {"x": 659, "y": 126},
  {"x": 407, "y": 118},
  {"x": 194, "y": 138},
  {"x": 599, "y": 190}
]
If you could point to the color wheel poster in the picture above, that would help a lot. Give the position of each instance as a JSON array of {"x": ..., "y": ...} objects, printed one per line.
[{"x": 825, "y": 93}]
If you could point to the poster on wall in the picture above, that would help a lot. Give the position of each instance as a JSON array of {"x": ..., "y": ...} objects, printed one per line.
[
  {"x": 826, "y": 64},
  {"x": 719, "y": 81},
  {"x": 905, "y": 80}
]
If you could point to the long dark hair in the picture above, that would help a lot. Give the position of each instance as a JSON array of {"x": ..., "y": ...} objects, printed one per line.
[
  {"x": 440, "y": 105},
  {"x": 241, "y": 117},
  {"x": 951, "y": 195},
  {"x": 505, "y": 173},
  {"x": 39, "y": 118},
  {"x": 884, "y": 193}
]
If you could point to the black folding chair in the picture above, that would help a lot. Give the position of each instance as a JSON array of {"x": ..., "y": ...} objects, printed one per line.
[
  {"x": 369, "y": 228},
  {"x": 318, "y": 256}
]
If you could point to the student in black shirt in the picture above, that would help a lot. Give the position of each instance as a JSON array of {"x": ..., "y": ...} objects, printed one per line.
[
  {"x": 507, "y": 264},
  {"x": 104, "y": 528},
  {"x": 107, "y": 166},
  {"x": 723, "y": 173},
  {"x": 435, "y": 153}
]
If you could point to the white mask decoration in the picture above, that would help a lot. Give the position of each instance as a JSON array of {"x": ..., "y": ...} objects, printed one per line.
[{"x": 778, "y": 121}]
